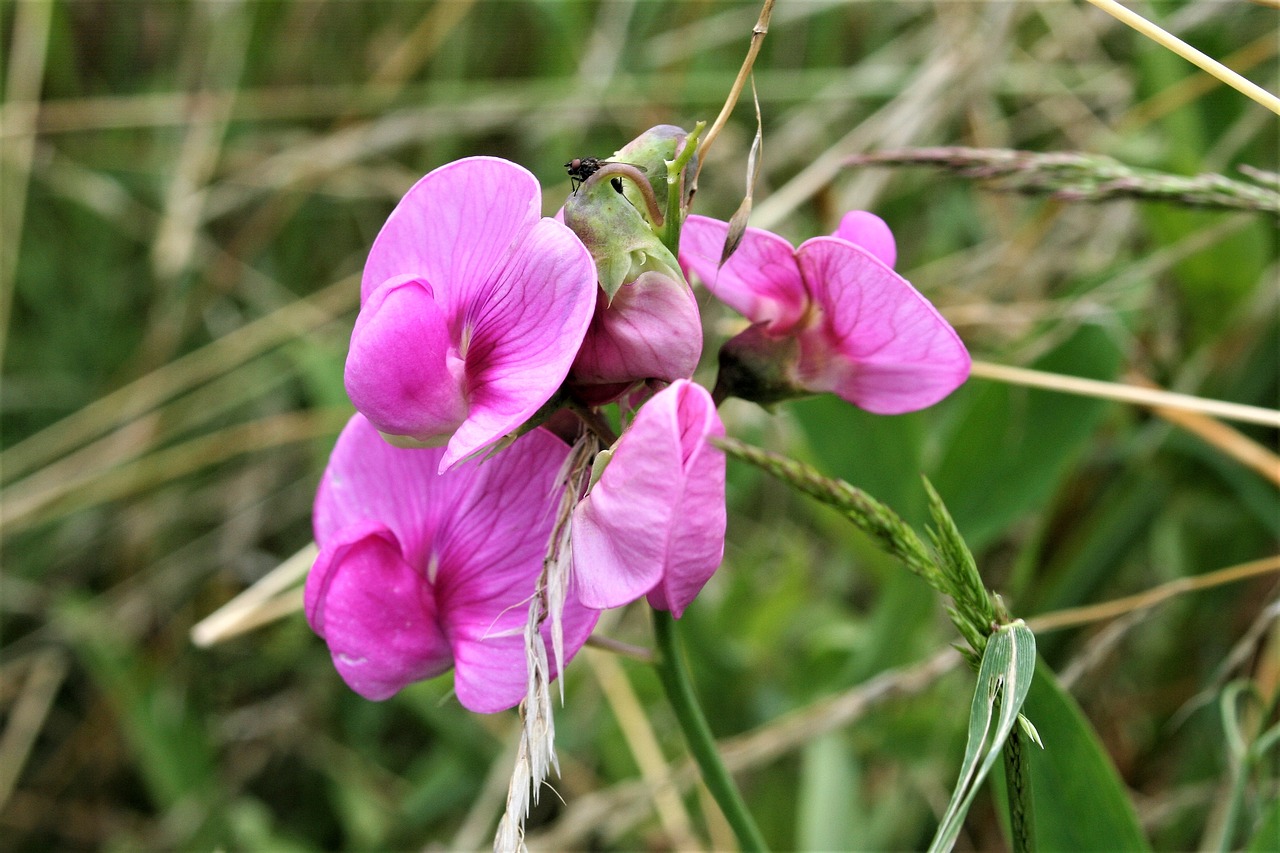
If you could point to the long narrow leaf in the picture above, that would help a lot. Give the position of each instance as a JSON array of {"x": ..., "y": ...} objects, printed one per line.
[
  {"x": 1008, "y": 666},
  {"x": 1091, "y": 809}
]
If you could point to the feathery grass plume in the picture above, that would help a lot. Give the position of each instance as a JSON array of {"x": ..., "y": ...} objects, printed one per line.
[
  {"x": 974, "y": 613},
  {"x": 557, "y": 566},
  {"x": 536, "y": 753},
  {"x": 947, "y": 566},
  {"x": 867, "y": 514},
  {"x": 1076, "y": 176}
]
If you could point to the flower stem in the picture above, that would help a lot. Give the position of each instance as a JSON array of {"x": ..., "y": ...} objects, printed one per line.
[{"x": 697, "y": 734}]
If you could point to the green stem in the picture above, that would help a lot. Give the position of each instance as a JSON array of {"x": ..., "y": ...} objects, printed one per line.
[
  {"x": 1018, "y": 791},
  {"x": 669, "y": 233},
  {"x": 697, "y": 734}
]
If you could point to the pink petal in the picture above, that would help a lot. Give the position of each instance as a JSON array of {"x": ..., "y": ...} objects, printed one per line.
[
  {"x": 368, "y": 479},
  {"x": 455, "y": 227},
  {"x": 520, "y": 332},
  {"x": 489, "y": 556},
  {"x": 403, "y": 371},
  {"x": 651, "y": 331},
  {"x": 375, "y": 612},
  {"x": 492, "y": 672},
  {"x": 760, "y": 281},
  {"x": 696, "y": 544},
  {"x": 655, "y": 521},
  {"x": 871, "y": 233},
  {"x": 880, "y": 344},
  {"x": 472, "y": 540}
]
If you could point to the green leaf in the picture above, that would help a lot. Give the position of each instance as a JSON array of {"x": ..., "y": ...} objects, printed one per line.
[
  {"x": 827, "y": 801},
  {"x": 880, "y": 454},
  {"x": 1005, "y": 677},
  {"x": 1083, "y": 804},
  {"x": 1267, "y": 837}
]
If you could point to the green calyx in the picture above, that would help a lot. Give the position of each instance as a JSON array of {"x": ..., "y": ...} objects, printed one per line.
[
  {"x": 624, "y": 213},
  {"x": 619, "y": 238},
  {"x": 759, "y": 367}
]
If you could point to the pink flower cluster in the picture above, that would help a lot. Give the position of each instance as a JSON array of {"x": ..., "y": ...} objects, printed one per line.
[{"x": 479, "y": 319}]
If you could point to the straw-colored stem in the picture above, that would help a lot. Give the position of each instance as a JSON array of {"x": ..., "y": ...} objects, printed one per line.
[
  {"x": 259, "y": 604},
  {"x": 28, "y": 51},
  {"x": 757, "y": 38},
  {"x": 1074, "y": 617},
  {"x": 642, "y": 741},
  {"x": 1224, "y": 438},
  {"x": 1124, "y": 393},
  {"x": 1205, "y": 62}
]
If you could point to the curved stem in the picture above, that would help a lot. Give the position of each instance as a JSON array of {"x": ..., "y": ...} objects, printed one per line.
[
  {"x": 608, "y": 171},
  {"x": 697, "y": 734}
]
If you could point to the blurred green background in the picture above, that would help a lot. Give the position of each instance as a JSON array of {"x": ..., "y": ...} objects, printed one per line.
[{"x": 189, "y": 191}]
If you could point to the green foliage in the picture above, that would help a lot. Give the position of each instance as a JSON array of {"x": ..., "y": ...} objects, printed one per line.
[
  {"x": 1012, "y": 448},
  {"x": 1074, "y": 768},
  {"x": 179, "y": 250},
  {"x": 1004, "y": 679}
]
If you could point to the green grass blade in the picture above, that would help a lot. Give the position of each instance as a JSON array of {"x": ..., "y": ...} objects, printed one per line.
[{"x": 1004, "y": 678}]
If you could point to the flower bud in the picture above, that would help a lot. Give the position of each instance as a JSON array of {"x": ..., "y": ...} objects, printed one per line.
[
  {"x": 620, "y": 240},
  {"x": 646, "y": 324},
  {"x": 651, "y": 330}
]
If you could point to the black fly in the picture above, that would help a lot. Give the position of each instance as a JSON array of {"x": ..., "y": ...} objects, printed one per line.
[{"x": 581, "y": 168}]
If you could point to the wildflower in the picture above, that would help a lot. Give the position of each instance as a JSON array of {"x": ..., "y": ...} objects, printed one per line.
[
  {"x": 421, "y": 571},
  {"x": 654, "y": 521},
  {"x": 829, "y": 316},
  {"x": 472, "y": 309}
]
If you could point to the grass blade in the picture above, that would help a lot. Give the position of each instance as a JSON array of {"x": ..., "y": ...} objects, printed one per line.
[{"x": 1008, "y": 667}]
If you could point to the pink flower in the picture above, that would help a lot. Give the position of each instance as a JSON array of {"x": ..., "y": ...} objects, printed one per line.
[
  {"x": 473, "y": 308},
  {"x": 654, "y": 522},
  {"x": 829, "y": 316},
  {"x": 420, "y": 571}
]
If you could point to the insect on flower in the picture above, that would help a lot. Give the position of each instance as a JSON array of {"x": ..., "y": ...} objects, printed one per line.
[{"x": 581, "y": 168}]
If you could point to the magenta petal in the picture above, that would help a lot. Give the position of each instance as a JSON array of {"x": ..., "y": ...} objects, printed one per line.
[
  {"x": 366, "y": 595},
  {"x": 455, "y": 226},
  {"x": 655, "y": 521},
  {"x": 489, "y": 558},
  {"x": 761, "y": 280},
  {"x": 492, "y": 673},
  {"x": 402, "y": 371},
  {"x": 651, "y": 331},
  {"x": 872, "y": 233},
  {"x": 368, "y": 479},
  {"x": 375, "y": 612},
  {"x": 612, "y": 566},
  {"x": 880, "y": 344},
  {"x": 521, "y": 332},
  {"x": 438, "y": 568}
]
